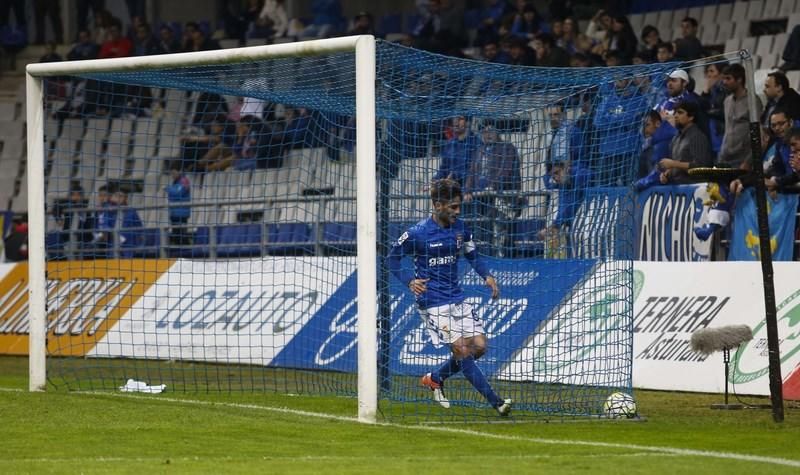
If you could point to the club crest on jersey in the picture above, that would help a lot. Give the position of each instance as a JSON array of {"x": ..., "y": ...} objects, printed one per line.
[{"x": 459, "y": 241}]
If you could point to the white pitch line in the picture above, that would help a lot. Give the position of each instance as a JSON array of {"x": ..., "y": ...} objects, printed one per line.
[{"x": 474, "y": 433}]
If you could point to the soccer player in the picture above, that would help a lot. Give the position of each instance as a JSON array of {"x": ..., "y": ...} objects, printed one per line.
[{"x": 435, "y": 244}]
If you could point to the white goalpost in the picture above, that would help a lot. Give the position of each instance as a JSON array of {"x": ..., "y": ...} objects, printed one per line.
[{"x": 363, "y": 48}]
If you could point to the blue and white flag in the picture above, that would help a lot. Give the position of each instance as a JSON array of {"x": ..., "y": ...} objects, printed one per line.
[{"x": 745, "y": 242}]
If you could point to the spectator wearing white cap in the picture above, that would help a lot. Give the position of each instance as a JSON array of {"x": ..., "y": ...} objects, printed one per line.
[{"x": 677, "y": 92}]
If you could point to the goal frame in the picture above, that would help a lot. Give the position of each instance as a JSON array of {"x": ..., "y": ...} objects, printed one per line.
[{"x": 366, "y": 239}]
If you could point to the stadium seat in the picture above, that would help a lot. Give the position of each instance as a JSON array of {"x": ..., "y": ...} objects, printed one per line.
[
  {"x": 150, "y": 244},
  {"x": 8, "y": 111},
  {"x": 732, "y": 44},
  {"x": 239, "y": 240},
  {"x": 794, "y": 78},
  {"x": 708, "y": 33},
  {"x": 748, "y": 43},
  {"x": 525, "y": 238},
  {"x": 755, "y": 9},
  {"x": 199, "y": 247},
  {"x": 787, "y": 8},
  {"x": 764, "y": 45},
  {"x": 770, "y": 9},
  {"x": 289, "y": 239},
  {"x": 724, "y": 12},
  {"x": 339, "y": 238}
]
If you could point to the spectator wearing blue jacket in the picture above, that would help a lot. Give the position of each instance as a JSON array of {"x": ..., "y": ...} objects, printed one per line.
[
  {"x": 458, "y": 153},
  {"x": 178, "y": 196},
  {"x": 570, "y": 180},
  {"x": 616, "y": 129},
  {"x": 658, "y": 136},
  {"x": 327, "y": 19}
]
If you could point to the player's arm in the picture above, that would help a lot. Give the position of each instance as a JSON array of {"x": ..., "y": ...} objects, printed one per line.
[
  {"x": 471, "y": 253},
  {"x": 394, "y": 261}
]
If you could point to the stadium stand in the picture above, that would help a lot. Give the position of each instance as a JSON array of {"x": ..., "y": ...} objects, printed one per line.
[{"x": 294, "y": 220}]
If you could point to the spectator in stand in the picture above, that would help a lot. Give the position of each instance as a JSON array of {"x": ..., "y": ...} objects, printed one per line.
[
  {"x": 496, "y": 169},
  {"x": 52, "y": 10},
  {"x": 83, "y": 11},
  {"x": 677, "y": 92},
  {"x": 569, "y": 37},
  {"x": 584, "y": 46},
  {"x": 658, "y": 135},
  {"x": 75, "y": 220},
  {"x": 520, "y": 54},
  {"x": 167, "y": 42},
  {"x": 735, "y": 147},
  {"x": 688, "y": 47},
  {"x": 556, "y": 29},
  {"x": 16, "y": 241},
  {"x": 623, "y": 39},
  {"x": 178, "y": 197},
  {"x": 689, "y": 149},
  {"x": 442, "y": 29},
  {"x": 491, "y": 16},
  {"x": 791, "y": 52},
  {"x": 363, "y": 24},
  {"x": 111, "y": 96},
  {"x": 198, "y": 41},
  {"x": 85, "y": 48},
  {"x": 273, "y": 15},
  {"x": 219, "y": 131},
  {"x": 327, "y": 19},
  {"x": 779, "y": 96},
  {"x": 186, "y": 38},
  {"x": 564, "y": 137},
  {"x": 617, "y": 118},
  {"x": 492, "y": 53},
  {"x": 116, "y": 45},
  {"x": 144, "y": 44},
  {"x": 614, "y": 58},
  {"x": 599, "y": 28},
  {"x": 651, "y": 39},
  {"x": 241, "y": 155},
  {"x": 50, "y": 55},
  {"x": 458, "y": 153},
  {"x": 136, "y": 8},
  {"x": 547, "y": 53},
  {"x": 130, "y": 228},
  {"x": 777, "y": 169},
  {"x": 527, "y": 24},
  {"x": 665, "y": 52},
  {"x": 712, "y": 103},
  {"x": 570, "y": 179},
  {"x": 102, "y": 22}
]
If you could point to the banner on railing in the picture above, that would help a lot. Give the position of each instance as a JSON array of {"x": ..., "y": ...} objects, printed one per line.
[
  {"x": 781, "y": 210},
  {"x": 665, "y": 220}
]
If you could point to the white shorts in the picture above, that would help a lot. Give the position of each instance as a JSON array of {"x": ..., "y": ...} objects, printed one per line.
[{"x": 448, "y": 323}]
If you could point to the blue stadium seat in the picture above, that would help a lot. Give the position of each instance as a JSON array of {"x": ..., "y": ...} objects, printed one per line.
[
  {"x": 241, "y": 240},
  {"x": 199, "y": 248},
  {"x": 289, "y": 239},
  {"x": 54, "y": 246},
  {"x": 339, "y": 239},
  {"x": 150, "y": 244},
  {"x": 525, "y": 240}
]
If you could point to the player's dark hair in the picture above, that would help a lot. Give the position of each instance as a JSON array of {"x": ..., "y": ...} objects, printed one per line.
[{"x": 445, "y": 190}]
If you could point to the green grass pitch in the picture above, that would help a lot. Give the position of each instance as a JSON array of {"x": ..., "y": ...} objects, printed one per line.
[{"x": 59, "y": 432}]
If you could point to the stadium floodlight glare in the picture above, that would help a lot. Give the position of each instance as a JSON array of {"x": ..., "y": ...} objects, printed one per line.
[{"x": 172, "y": 247}]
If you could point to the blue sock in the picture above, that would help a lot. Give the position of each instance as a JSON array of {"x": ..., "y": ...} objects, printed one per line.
[
  {"x": 449, "y": 368},
  {"x": 475, "y": 376}
]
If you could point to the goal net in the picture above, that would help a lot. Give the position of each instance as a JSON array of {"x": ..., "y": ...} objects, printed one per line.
[{"x": 218, "y": 221}]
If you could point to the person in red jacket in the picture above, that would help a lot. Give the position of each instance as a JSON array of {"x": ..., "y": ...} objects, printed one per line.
[{"x": 112, "y": 97}]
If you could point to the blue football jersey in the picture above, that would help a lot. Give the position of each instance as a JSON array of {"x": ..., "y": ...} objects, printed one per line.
[{"x": 435, "y": 251}]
